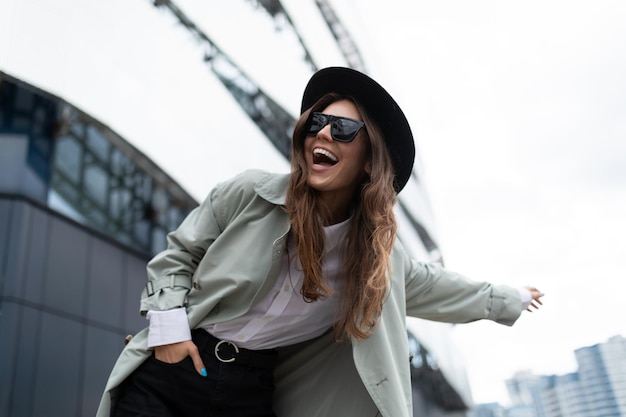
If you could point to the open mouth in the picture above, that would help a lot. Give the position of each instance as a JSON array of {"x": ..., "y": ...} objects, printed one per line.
[{"x": 324, "y": 157}]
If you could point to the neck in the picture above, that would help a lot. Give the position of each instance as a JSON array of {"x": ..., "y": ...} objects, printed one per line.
[{"x": 337, "y": 208}]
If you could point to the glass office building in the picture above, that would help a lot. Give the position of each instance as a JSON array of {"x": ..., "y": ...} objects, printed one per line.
[{"x": 81, "y": 211}]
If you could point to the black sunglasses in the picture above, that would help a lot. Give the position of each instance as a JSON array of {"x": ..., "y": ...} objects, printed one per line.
[{"x": 342, "y": 129}]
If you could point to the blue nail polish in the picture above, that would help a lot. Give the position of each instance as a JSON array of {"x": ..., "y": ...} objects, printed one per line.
[{"x": 203, "y": 372}]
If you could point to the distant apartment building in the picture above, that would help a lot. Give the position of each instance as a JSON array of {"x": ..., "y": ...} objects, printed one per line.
[
  {"x": 488, "y": 410},
  {"x": 597, "y": 389},
  {"x": 562, "y": 395},
  {"x": 525, "y": 390},
  {"x": 602, "y": 374}
]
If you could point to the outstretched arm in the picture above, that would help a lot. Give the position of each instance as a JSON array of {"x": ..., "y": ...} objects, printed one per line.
[{"x": 434, "y": 293}]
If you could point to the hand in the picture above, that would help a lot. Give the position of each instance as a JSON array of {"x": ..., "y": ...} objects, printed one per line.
[
  {"x": 176, "y": 352},
  {"x": 536, "y": 298}
]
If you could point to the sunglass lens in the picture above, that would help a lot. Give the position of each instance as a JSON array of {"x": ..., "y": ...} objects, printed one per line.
[
  {"x": 318, "y": 121},
  {"x": 344, "y": 130}
]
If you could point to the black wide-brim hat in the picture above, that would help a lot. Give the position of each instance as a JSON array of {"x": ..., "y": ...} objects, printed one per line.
[{"x": 381, "y": 107}]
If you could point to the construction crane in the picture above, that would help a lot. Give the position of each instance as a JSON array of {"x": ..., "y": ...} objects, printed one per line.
[
  {"x": 346, "y": 44},
  {"x": 276, "y": 10},
  {"x": 269, "y": 116}
]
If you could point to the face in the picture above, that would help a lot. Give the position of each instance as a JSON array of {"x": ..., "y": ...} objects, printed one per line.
[{"x": 335, "y": 169}]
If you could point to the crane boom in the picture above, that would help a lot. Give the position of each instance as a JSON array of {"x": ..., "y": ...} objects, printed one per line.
[{"x": 269, "y": 116}]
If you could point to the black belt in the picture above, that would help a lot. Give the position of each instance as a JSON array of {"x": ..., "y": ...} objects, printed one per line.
[{"x": 228, "y": 352}]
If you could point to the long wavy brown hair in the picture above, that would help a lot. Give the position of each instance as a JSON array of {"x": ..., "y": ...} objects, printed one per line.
[{"x": 370, "y": 237}]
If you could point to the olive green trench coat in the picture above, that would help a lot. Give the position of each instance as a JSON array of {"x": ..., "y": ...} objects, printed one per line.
[{"x": 227, "y": 263}]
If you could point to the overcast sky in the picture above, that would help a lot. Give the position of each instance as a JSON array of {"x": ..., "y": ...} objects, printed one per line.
[{"x": 518, "y": 109}]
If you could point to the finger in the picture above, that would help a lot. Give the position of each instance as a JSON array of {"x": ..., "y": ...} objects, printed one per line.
[
  {"x": 197, "y": 360},
  {"x": 163, "y": 354}
]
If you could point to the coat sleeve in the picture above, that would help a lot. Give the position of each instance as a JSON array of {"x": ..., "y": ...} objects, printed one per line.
[
  {"x": 170, "y": 272},
  {"x": 435, "y": 293}
]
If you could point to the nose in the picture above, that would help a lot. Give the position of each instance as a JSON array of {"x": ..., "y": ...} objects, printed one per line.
[{"x": 325, "y": 133}]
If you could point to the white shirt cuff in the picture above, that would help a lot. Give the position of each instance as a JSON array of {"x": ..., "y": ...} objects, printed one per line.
[
  {"x": 526, "y": 297},
  {"x": 169, "y": 326}
]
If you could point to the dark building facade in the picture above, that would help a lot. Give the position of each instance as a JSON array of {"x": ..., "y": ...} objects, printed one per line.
[
  {"x": 81, "y": 211},
  {"x": 68, "y": 297}
]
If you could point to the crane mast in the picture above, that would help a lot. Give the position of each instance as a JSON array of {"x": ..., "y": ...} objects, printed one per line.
[{"x": 344, "y": 40}]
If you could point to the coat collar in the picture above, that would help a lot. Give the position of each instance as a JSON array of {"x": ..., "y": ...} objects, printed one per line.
[{"x": 273, "y": 188}]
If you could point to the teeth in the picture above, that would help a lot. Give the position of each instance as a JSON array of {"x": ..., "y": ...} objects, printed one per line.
[{"x": 320, "y": 151}]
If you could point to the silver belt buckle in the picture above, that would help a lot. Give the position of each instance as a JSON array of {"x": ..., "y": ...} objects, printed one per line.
[{"x": 217, "y": 349}]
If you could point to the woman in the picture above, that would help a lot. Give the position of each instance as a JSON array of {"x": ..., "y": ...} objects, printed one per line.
[{"x": 287, "y": 294}]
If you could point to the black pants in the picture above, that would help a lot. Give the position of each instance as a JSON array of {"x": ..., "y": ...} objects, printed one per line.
[{"x": 241, "y": 388}]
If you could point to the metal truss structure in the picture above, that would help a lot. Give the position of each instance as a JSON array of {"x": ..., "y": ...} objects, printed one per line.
[{"x": 269, "y": 116}]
